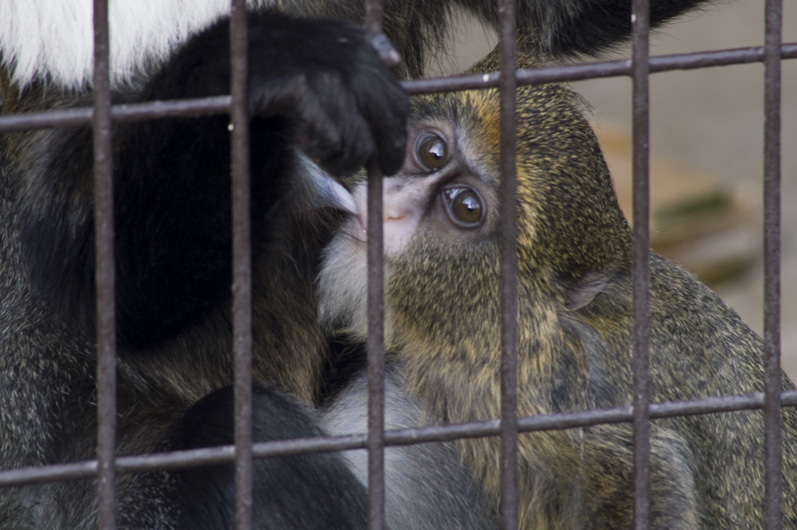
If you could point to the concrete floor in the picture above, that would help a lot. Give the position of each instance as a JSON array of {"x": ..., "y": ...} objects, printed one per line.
[{"x": 710, "y": 120}]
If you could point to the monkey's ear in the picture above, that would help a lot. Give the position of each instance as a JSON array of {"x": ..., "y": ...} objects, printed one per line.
[{"x": 579, "y": 291}]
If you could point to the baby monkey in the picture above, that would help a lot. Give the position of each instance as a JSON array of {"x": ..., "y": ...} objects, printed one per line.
[{"x": 441, "y": 247}]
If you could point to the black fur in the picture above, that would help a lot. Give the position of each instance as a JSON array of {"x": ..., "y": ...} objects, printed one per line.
[
  {"x": 597, "y": 25},
  {"x": 297, "y": 492},
  {"x": 563, "y": 28},
  {"x": 315, "y": 86},
  {"x": 330, "y": 94}
]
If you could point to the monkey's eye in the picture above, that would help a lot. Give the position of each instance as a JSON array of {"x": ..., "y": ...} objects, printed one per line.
[
  {"x": 464, "y": 206},
  {"x": 432, "y": 151}
]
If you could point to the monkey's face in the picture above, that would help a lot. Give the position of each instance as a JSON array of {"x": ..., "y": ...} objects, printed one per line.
[
  {"x": 439, "y": 222},
  {"x": 441, "y": 212}
]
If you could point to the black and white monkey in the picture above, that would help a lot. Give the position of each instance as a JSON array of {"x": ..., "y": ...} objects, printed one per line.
[{"x": 320, "y": 97}]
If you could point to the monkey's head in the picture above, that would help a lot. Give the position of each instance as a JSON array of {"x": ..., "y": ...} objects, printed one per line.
[{"x": 441, "y": 226}]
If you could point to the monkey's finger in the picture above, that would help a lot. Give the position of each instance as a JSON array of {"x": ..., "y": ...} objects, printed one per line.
[
  {"x": 324, "y": 115},
  {"x": 336, "y": 134},
  {"x": 386, "y": 110}
]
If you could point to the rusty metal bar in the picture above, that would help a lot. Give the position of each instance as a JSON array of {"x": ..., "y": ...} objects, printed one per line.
[
  {"x": 221, "y": 104},
  {"x": 772, "y": 255},
  {"x": 242, "y": 265},
  {"x": 81, "y": 116},
  {"x": 576, "y": 72},
  {"x": 376, "y": 325},
  {"x": 509, "y": 281},
  {"x": 376, "y": 354},
  {"x": 437, "y": 433},
  {"x": 640, "y": 266},
  {"x": 105, "y": 278}
]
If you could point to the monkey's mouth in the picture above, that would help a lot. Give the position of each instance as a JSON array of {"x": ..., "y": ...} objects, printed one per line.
[{"x": 400, "y": 201}]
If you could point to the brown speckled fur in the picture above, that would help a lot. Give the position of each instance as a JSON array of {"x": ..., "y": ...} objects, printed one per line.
[{"x": 443, "y": 312}]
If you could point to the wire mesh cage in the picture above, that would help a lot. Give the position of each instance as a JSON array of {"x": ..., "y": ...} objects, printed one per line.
[{"x": 509, "y": 426}]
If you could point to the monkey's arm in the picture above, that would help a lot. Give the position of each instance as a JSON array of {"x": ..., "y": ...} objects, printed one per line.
[
  {"x": 314, "y": 85},
  {"x": 579, "y": 27},
  {"x": 289, "y": 492}
]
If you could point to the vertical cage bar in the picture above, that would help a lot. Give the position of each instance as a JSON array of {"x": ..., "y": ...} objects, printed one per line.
[
  {"x": 509, "y": 282},
  {"x": 772, "y": 251},
  {"x": 376, "y": 325},
  {"x": 376, "y": 355},
  {"x": 242, "y": 266},
  {"x": 640, "y": 266},
  {"x": 105, "y": 271}
]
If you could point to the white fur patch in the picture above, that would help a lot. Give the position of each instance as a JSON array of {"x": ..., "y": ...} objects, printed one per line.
[
  {"x": 343, "y": 284},
  {"x": 427, "y": 486},
  {"x": 349, "y": 415},
  {"x": 53, "y": 39}
]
